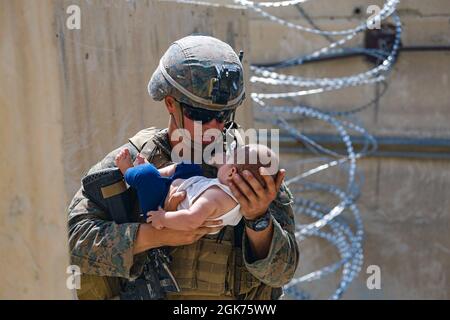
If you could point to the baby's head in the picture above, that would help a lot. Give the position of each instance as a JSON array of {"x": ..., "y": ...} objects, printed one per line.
[{"x": 250, "y": 157}]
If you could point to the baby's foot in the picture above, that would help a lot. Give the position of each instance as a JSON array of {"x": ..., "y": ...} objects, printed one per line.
[
  {"x": 139, "y": 160},
  {"x": 123, "y": 160}
]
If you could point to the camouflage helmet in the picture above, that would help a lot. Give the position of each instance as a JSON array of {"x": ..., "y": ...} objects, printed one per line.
[{"x": 201, "y": 71}]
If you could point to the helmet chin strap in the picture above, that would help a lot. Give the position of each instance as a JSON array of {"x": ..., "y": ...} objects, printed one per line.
[
  {"x": 232, "y": 136},
  {"x": 179, "y": 111}
]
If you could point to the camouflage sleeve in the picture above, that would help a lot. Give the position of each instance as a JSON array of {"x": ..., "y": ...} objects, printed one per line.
[
  {"x": 100, "y": 246},
  {"x": 278, "y": 268}
]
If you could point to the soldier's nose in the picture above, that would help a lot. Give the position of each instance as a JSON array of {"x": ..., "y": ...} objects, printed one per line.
[{"x": 213, "y": 124}]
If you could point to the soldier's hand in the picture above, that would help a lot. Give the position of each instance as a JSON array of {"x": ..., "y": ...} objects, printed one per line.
[
  {"x": 174, "y": 200},
  {"x": 251, "y": 195}
]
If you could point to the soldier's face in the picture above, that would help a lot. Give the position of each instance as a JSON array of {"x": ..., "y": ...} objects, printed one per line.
[
  {"x": 208, "y": 138},
  {"x": 193, "y": 126}
]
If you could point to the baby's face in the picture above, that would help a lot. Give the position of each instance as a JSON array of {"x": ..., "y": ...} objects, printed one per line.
[{"x": 226, "y": 163}]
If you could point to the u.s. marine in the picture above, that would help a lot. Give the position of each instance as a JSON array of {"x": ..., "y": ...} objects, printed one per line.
[{"x": 198, "y": 78}]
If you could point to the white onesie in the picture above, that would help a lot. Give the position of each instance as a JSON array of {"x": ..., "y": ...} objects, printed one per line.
[{"x": 195, "y": 186}]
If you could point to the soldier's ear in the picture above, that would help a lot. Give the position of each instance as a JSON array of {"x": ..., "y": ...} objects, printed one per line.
[{"x": 170, "y": 104}]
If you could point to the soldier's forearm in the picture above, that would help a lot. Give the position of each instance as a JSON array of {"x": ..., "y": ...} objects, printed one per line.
[
  {"x": 278, "y": 267},
  {"x": 259, "y": 242},
  {"x": 146, "y": 238}
]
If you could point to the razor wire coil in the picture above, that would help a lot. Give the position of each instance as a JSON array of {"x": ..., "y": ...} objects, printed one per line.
[{"x": 345, "y": 233}]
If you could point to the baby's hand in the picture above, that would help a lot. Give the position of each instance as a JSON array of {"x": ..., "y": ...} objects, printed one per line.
[{"x": 155, "y": 218}]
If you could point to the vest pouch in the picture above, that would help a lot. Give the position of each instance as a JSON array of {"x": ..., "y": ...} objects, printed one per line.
[
  {"x": 248, "y": 283},
  {"x": 202, "y": 266},
  {"x": 94, "y": 287}
]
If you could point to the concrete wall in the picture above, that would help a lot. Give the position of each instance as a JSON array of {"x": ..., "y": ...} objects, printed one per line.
[
  {"x": 33, "y": 246},
  {"x": 67, "y": 97}
]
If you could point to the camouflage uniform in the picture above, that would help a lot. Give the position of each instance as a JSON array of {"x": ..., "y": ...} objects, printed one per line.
[{"x": 104, "y": 250}]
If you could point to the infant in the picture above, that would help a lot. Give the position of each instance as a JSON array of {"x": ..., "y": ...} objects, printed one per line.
[{"x": 206, "y": 198}]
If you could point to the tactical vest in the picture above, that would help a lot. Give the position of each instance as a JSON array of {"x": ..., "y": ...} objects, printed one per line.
[{"x": 211, "y": 268}]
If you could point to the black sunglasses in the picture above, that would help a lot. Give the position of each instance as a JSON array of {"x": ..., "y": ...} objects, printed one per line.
[{"x": 203, "y": 115}]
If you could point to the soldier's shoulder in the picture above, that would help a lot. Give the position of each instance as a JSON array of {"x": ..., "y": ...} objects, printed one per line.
[
  {"x": 143, "y": 136},
  {"x": 134, "y": 145},
  {"x": 109, "y": 160}
]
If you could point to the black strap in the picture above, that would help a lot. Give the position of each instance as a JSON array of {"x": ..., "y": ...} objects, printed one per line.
[
  {"x": 238, "y": 233},
  {"x": 237, "y": 242},
  {"x": 220, "y": 235}
]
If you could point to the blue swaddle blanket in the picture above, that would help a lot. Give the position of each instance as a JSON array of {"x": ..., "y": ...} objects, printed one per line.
[{"x": 152, "y": 188}]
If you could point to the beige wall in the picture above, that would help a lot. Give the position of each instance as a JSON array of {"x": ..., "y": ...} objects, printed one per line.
[
  {"x": 33, "y": 246},
  {"x": 67, "y": 97}
]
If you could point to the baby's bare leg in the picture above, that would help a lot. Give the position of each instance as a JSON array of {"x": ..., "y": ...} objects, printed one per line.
[
  {"x": 167, "y": 171},
  {"x": 123, "y": 160}
]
